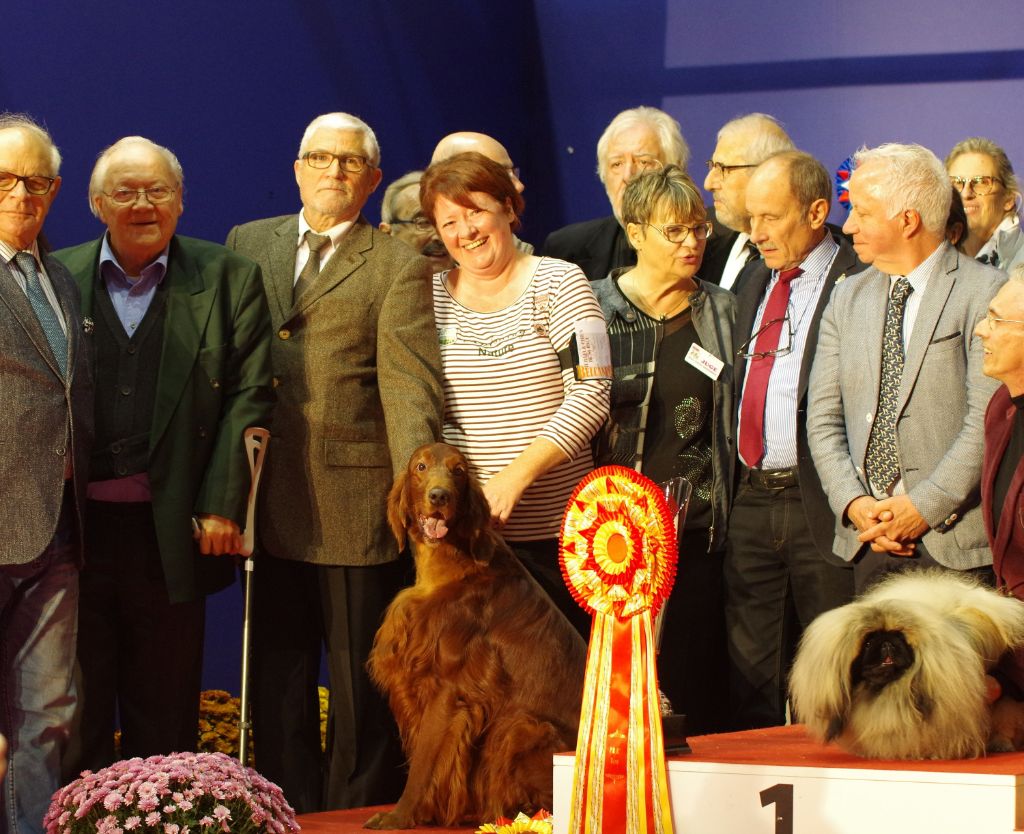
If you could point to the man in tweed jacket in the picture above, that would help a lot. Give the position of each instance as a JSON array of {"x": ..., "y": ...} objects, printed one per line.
[
  {"x": 928, "y": 513},
  {"x": 357, "y": 370},
  {"x": 45, "y": 435}
]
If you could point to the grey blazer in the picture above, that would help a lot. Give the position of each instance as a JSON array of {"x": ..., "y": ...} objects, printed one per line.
[
  {"x": 357, "y": 372},
  {"x": 941, "y": 409},
  {"x": 43, "y": 418}
]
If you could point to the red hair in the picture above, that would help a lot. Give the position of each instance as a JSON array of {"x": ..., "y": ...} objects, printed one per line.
[{"x": 458, "y": 176}]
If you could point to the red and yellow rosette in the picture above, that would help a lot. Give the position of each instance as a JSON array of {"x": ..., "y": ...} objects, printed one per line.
[{"x": 618, "y": 557}]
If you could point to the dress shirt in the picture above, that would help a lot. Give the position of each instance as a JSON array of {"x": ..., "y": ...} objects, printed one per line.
[
  {"x": 130, "y": 295},
  {"x": 738, "y": 257},
  {"x": 335, "y": 233},
  {"x": 780, "y": 447},
  {"x": 7, "y": 253}
]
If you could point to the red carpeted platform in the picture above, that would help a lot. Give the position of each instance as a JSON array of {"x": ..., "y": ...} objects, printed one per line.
[
  {"x": 348, "y": 822},
  {"x": 791, "y": 747}
]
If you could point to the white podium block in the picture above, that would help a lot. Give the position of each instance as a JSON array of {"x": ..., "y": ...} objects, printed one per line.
[{"x": 777, "y": 781}]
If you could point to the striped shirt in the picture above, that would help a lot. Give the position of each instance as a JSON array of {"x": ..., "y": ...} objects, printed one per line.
[
  {"x": 504, "y": 387},
  {"x": 780, "y": 407}
]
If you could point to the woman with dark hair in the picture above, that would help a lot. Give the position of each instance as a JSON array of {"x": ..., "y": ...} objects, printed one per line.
[
  {"x": 671, "y": 343},
  {"x": 520, "y": 402}
]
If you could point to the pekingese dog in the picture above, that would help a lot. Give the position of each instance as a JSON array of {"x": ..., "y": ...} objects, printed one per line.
[{"x": 900, "y": 673}]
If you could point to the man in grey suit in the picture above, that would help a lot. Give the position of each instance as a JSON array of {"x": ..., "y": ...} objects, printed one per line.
[
  {"x": 45, "y": 434},
  {"x": 780, "y": 572},
  {"x": 358, "y": 377},
  {"x": 897, "y": 396}
]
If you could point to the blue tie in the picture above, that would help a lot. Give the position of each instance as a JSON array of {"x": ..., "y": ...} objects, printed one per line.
[{"x": 44, "y": 311}]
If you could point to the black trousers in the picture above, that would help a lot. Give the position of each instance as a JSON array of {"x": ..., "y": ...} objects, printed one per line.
[
  {"x": 299, "y": 610},
  {"x": 776, "y": 582},
  {"x": 140, "y": 657}
]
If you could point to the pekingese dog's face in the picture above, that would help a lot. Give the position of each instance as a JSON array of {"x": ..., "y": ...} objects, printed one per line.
[{"x": 900, "y": 672}]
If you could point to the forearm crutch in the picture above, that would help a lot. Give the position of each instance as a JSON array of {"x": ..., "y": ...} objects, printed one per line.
[{"x": 256, "y": 442}]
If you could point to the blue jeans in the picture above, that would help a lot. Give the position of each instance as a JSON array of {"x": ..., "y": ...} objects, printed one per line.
[{"x": 38, "y": 624}]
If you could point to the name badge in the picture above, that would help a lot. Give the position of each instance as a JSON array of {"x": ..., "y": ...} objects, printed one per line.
[
  {"x": 446, "y": 335},
  {"x": 595, "y": 354},
  {"x": 704, "y": 361}
]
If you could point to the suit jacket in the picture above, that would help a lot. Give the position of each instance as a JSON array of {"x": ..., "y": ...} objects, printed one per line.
[
  {"x": 595, "y": 246},
  {"x": 750, "y": 292},
  {"x": 214, "y": 381},
  {"x": 1008, "y": 541},
  {"x": 43, "y": 419},
  {"x": 358, "y": 370},
  {"x": 940, "y": 410}
]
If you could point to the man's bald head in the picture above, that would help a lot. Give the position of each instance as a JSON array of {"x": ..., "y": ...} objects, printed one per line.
[{"x": 463, "y": 141}]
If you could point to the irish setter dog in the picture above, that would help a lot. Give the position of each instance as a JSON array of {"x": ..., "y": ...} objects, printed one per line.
[{"x": 483, "y": 674}]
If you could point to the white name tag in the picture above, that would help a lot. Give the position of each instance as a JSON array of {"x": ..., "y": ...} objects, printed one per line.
[
  {"x": 446, "y": 335},
  {"x": 595, "y": 360},
  {"x": 705, "y": 362}
]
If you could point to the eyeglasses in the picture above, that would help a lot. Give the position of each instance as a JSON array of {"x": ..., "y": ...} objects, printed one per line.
[
  {"x": 420, "y": 224},
  {"x": 127, "y": 196},
  {"x": 641, "y": 164},
  {"x": 980, "y": 185},
  {"x": 993, "y": 320},
  {"x": 347, "y": 162},
  {"x": 677, "y": 232},
  {"x": 725, "y": 169},
  {"x": 35, "y": 184},
  {"x": 782, "y": 349}
]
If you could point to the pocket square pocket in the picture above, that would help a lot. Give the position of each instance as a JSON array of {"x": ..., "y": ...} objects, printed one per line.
[{"x": 945, "y": 338}]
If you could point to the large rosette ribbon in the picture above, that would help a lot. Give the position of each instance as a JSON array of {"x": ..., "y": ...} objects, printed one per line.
[{"x": 618, "y": 557}]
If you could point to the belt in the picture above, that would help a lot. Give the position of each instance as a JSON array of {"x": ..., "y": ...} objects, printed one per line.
[{"x": 771, "y": 478}]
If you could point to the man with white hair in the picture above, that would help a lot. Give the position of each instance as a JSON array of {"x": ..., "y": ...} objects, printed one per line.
[
  {"x": 46, "y": 426},
  {"x": 981, "y": 171},
  {"x": 402, "y": 217},
  {"x": 358, "y": 376},
  {"x": 637, "y": 140},
  {"x": 897, "y": 393},
  {"x": 181, "y": 345},
  {"x": 743, "y": 144}
]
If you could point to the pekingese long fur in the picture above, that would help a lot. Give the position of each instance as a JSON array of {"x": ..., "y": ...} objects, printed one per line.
[{"x": 900, "y": 672}]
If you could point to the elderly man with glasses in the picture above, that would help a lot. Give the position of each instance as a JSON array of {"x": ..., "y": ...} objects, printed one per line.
[
  {"x": 402, "y": 217},
  {"x": 357, "y": 362},
  {"x": 980, "y": 170},
  {"x": 46, "y": 426},
  {"x": 637, "y": 140},
  {"x": 780, "y": 572},
  {"x": 179, "y": 334}
]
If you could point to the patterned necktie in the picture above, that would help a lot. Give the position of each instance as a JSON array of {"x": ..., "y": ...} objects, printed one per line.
[
  {"x": 992, "y": 259},
  {"x": 882, "y": 461},
  {"x": 44, "y": 311},
  {"x": 752, "y": 251},
  {"x": 759, "y": 369},
  {"x": 311, "y": 269}
]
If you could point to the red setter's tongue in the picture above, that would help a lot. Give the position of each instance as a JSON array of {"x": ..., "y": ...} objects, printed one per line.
[{"x": 434, "y": 528}]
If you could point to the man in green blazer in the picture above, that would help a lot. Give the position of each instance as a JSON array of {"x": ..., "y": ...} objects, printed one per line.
[
  {"x": 357, "y": 364},
  {"x": 180, "y": 336}
]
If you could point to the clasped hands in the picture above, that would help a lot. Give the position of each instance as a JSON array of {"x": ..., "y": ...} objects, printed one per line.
[{"x": 890, "y": 525}]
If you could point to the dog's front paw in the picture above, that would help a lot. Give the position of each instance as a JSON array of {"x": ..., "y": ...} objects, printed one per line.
[{"x": 389, "y": 820}]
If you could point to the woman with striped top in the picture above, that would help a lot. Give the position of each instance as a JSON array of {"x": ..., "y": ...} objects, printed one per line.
[{"x": 525, "y": 359}]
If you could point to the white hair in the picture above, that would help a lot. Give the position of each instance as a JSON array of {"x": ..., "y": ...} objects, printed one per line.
[
  {"x": 99, "y": 170},
  {"x": 767, "y": 136},
  {"x": 670, "y": 136},
  {"x": 344, "y": 121},
  {"x": 914, "y": 179},
  {"x": 387, "y": 206},
  {"x": 23, "y": 122}
]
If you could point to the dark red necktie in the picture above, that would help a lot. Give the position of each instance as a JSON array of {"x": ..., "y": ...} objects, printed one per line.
[{"x": 759, "y": 369}]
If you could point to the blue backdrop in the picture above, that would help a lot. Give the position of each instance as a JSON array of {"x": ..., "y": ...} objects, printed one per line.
[{"x": 230, "y": 85}]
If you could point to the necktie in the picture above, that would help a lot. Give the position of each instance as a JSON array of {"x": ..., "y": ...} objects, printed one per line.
[
  {"x": 759, "y": 369},
  {"x": 882, "y": 461},
  {"x": 311, "y": 269},
  {"x": 992, "y": 259},
  {"x": 44, "y": 311},
  {"x": 752, "y": 251}
]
